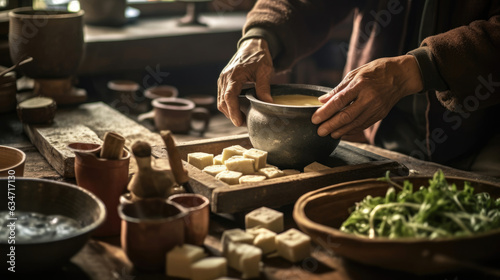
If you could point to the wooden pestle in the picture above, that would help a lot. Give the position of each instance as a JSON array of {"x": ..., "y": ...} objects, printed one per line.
[
  {"x": 148, "y": 182},
  {"x": 112, "y": 148},
  {"x": 174, "y": 158}
]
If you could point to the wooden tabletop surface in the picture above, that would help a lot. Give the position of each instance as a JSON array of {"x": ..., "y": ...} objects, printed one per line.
[{"x": 103, "y": 258}]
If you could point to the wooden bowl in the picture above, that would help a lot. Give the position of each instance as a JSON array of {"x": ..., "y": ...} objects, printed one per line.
[
  {"x": 11, "y": 159},
  {"x": 320, "y": 213}
]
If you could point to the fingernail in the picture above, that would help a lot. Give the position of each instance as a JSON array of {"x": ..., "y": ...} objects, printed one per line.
[
  {"x": 323, "y": 97},
  {"x": 322, "y": 131},
  {"x": 316, "y": 119}
]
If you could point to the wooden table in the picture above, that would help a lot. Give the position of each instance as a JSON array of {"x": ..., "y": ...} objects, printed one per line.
[{"x": 103, "y": 258}]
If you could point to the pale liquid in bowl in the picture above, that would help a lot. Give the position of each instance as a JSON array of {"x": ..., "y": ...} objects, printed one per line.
[{"x": 297, "y": 100}]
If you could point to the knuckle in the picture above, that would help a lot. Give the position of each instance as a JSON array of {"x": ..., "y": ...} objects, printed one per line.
[{"x": 344, "y": 117}]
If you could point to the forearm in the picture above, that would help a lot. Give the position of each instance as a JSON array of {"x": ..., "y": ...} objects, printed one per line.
[{"x": 294, "y": 29}]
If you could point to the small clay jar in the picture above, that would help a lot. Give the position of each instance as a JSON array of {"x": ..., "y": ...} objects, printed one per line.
[
  {"x": 105, "y": 178},
  {"x": 197, "y": 222},
  {"x": 150, "y": 228}
]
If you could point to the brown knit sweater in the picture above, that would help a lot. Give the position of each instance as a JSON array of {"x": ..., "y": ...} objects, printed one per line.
[{"x": 459, "y": 59}]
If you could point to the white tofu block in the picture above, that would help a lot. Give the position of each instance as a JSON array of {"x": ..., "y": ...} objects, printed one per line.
[
  {"x": 291, "y": 172},
  {"x": 235, "y": 235},
  {"x": 315, "y": 166},
  {"x": 293, "y": 245},
  {"x": 229, "y": 177},
  {"x": 235, "y": 150},
  {"x": 271, "y": 172},
  {"x": 263, "y": 239},
  {"x": 243, "y": 165},
  {"x": 218, "y": 159},
  {"x": 200, "y": 160},
  {"x": 266, "y": 218},
  {"x": 180, "y": 258},
  {"x": 259, "y": 156},
  {"x": 252, "y": 178},
  {"x": 209, "y": 268},
  {"x": 214, "y": 169},
  {"x": 245, "y": 258}
]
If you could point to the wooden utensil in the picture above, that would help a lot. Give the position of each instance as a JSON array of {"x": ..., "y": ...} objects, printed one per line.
[
  {"x": 174, "y": 158},
  {"x": 112, "y": 148},
  {"x": 19, "y": 63}
]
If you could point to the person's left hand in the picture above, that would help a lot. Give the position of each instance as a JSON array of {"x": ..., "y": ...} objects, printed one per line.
[{"x": 366, "y": 95}]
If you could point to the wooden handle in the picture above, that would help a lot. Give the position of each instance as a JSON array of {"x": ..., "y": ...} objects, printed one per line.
[
  {"x": 174, "y": 158},
  {"x": 112, "y": 148}
]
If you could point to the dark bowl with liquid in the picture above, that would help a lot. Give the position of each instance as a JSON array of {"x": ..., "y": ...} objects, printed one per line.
[
  {"x": 47, "y": 197},
  {"x": 286, "y": 132}
]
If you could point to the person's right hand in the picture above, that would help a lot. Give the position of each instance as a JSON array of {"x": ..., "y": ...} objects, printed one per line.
[{"x": 252, "y": 63}]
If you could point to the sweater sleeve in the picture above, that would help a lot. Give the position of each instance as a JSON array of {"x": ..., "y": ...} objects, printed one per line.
[
  {"x": 296, "y": 27},
  {"x": 462, "y": 63}
]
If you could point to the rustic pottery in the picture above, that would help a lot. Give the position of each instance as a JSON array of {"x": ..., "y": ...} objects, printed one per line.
[
  {"x": 8, "y": 90},
  {"x": 105, "y": 178},
  {"x": 320, "y": 213},
  {"x": 197, "y": 221},
  {"x": 49, "y": 197},
  {"x": 12, "y": 162},
  {"x": 55, "y": 41},
  {"x": 286, "y": 132},
  {"x": 177, "y": 115},
  {"x": 150, "y": 228}
]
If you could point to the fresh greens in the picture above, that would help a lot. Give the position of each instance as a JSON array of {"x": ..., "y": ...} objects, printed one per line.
[{"x": 439, "y": 210}]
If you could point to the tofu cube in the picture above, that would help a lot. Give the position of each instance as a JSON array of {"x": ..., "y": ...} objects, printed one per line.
[
  {"x": 218, "y": 160},
  {"x": 263, "y": 239},
  {"x": 235, "y": 150},
  {"x": 271, "y": 172},
  {"x": 245, "y": 258},
  {"x": 315, "y": 166},
  {"x": 209, "y": 268},
  {"x": 214, "y": 169},
  {"x": 252, "y": 178},
  {"x": 236, "y": 235},
  {"x": 293, "y": 245},
  {"x": 200, "y": 160},
  {"x": 243, "y": 165},
  {"x": 266, "y": 218},
  {"x": 229, "y": 177},
  {"x": 259, "y": 156},
  {"x": 180, "y": 258}
]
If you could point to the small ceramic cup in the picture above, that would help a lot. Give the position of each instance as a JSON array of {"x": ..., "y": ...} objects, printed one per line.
[
  {"x": 197, "y": 222},
  {"x": 105, "y": 178},
  {"x": 150, "y": 228},
  {"x": 12, "y": 162},
  {"x": 177, "y": 115}
]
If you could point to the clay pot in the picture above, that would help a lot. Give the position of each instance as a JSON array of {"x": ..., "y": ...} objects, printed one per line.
[
  {"x": 105, "y": 178},
  {"x": 104, "y": 13},
  {"x": 53, "y": 38},
  {"x": 197, "y": 222},
  {"x": 12, "y": 162},
  {"x": 286, "y": 132},
  {"x": 8, "y": 90},
  {"x": 150, "y": 228}
]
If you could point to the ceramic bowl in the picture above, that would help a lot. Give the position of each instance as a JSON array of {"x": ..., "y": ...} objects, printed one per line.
[
  {"x": 161, "y": 91},
  {"x": 11, "y": 159},
  {"x": 320, "y": 213},
  {"x": 50, "y": 197}
]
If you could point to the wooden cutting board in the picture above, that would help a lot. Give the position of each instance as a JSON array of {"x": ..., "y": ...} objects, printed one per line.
[
  {"x": 86, "y": 123},
  {"x": 347, "y": 163}
]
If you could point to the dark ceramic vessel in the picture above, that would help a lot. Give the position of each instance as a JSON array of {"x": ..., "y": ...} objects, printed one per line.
[{"x": 286, "y": 132}]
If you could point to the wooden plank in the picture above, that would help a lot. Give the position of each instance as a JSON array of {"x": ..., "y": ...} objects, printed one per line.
[
  {"x": 346, "y": 163},
  {"x": 86, "y": 123}
]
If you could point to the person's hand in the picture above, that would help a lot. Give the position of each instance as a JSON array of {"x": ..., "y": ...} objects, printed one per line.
[
  {"x": 366, "y": 95},
  {"x": 252, "y": 63}
]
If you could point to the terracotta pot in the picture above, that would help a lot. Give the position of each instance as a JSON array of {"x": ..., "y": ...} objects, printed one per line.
[
  {"x": 107, "y": 179},
  {"x": 53, "y": 38},
  {"x": 197, "y": 222},
  {"x": 151, "y": 228},
  {"x": 12, "y": 162},
  {"x": 286, "y": 132}
]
